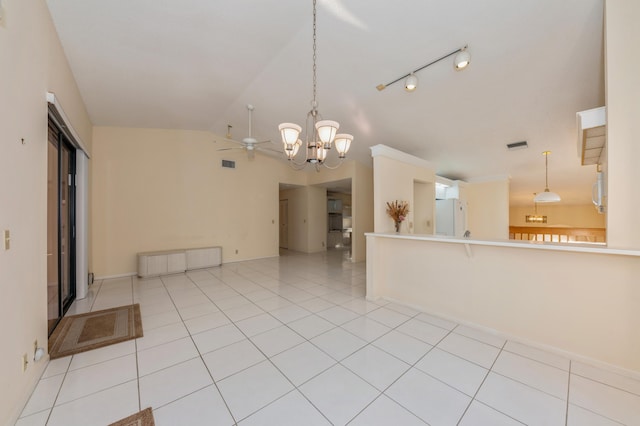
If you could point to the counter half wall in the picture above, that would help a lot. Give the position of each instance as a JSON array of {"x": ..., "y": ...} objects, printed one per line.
[{"x": 583, "y": 301}]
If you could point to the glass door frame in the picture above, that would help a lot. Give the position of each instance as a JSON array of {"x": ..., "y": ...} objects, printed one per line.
[{"x": 65, "y": 263}]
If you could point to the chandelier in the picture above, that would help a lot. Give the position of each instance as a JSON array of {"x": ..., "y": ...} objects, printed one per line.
[{"x": 319, "y": 134}]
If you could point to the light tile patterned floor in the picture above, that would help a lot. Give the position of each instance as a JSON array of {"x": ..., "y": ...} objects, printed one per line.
[{"x": 292, "y": 341}]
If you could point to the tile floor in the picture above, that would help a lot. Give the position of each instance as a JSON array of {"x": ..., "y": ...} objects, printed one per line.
[{"x": 292, "y": 341}]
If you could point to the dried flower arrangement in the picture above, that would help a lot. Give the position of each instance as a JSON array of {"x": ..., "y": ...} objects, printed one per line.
[{"x": 398, "y": 211}]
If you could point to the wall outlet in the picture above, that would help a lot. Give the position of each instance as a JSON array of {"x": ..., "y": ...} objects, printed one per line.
[{"x": 25, "y": 362}]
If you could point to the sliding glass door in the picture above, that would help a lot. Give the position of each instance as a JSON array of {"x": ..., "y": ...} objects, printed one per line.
[{"x": 60, "y": 226}]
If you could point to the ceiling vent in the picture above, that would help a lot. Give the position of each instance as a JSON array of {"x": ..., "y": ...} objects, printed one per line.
[
  {"x": 228, "y": 164},
  {"x": 517, "y": 145}
]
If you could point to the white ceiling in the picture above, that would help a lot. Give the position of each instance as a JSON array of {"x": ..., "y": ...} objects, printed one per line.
[{"x": 195, "y": 64}]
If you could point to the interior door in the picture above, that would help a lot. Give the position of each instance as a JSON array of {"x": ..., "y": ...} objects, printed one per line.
[{"x": 284, "y": 224}]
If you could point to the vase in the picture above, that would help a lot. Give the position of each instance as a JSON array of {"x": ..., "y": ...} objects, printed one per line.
[{"x": 398, "y": 226}]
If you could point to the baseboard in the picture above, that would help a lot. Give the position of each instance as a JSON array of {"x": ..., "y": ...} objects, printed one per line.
[
  {"x": 24, "y": 399},
  {"x": 534, "y": 344},
  {"x": 110, "y": 277},
  {"x": 246, "y": 260}
]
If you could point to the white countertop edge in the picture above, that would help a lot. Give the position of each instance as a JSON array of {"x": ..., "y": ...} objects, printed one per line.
[{"x": 515, "y": 244}]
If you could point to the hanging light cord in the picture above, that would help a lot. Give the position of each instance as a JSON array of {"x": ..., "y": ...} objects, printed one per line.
[{"x": 546, "y": 172}]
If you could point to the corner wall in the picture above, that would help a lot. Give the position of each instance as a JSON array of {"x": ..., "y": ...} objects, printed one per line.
[
  {"x": 622, "y": 35},
  {"x": 488, "y": 216},
  {"x": 394, "y": 173},
  {"x": 32, "y": 63}
]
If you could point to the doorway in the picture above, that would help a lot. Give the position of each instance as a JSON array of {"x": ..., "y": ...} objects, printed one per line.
[
  {"x": 284, "y": 224},
  {"x": 61, "y": 199}
]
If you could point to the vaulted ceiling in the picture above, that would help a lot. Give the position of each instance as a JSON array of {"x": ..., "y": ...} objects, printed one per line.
[{"x": 196, "y": 64}]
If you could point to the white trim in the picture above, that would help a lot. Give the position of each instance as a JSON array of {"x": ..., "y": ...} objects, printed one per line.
[
  {"x": 394, "y": 154},
  {"x": 82, "y": 225},
  {"x": 109, "y": 277},
  {"x": 246, "y": 260},
  {"x": 69, "y": 130},
  {"x": 577, "y": 247},
  {"x": 495, "y": 178}
]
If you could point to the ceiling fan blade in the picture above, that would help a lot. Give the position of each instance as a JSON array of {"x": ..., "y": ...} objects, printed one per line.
[
  {"x": 267, "y": 141},
  {"x": 228, "y": 149},
  {"x": 270, "y": 149}
]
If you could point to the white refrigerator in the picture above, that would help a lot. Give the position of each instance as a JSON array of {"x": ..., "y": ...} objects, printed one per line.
[{"x": 451, "y": 217}]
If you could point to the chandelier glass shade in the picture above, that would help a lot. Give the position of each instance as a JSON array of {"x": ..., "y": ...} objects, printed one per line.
[{"x": 320, "y": 135}]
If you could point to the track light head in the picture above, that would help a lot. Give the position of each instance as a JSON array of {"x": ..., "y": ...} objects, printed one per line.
[
  {"x": 462, "y": 59},
  {"x": 411, "y": 83}
]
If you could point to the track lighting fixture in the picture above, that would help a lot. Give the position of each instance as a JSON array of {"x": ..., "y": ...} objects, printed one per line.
[{"x": 461, "y": 61}]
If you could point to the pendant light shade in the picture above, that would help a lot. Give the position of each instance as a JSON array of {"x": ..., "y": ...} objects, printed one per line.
[
  {"x": 327, "y": 130},
  {"x": 289, "y": 132},
  {"x": 546, "y": 196},
  {"x": 343, "y": 142}
]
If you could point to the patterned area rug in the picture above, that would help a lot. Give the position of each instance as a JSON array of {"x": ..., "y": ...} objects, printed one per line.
[
  {"x": 81, "y": 333},
  {"x": 142, "y": 418}
]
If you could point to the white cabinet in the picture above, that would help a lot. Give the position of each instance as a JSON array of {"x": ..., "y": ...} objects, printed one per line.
[
  {"x": 334, "y": 205},
  {"x": 161, "y": 262},
  {"x": 204, "y": 257},
  {"x": 175, "y": 261}
]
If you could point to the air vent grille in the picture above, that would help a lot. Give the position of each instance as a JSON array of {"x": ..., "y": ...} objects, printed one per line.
[
  {"x": 229, "y": 164},
  {"x": 517, "y": 145}
]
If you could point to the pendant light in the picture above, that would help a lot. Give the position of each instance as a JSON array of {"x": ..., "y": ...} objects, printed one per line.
[
  {"x": 546, "y": 196},
  {"x": 319, "y": 134}
]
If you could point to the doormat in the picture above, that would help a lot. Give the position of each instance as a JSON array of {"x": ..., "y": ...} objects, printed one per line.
[
  {"x": 84, "y": 332},
  {"x": 142, "y": 418}
]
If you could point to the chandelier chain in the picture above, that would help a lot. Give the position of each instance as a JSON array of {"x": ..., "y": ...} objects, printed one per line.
[{"x": 314, "y": 104}]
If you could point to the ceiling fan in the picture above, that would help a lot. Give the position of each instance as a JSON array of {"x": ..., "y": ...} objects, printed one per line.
[{"x": 250, "y": 144}]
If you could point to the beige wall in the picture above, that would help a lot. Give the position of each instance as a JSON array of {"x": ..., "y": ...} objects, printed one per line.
[
  {"x": 575, "y": 216},
  {"x": 393, "y": 180},
  {"x": 31, "y": 64},
  {"x": 572, "y": 304},
  {"x": 307, "y": 214},
  {"x": 488, "y": 214},
  {"x": 623, "y": 115},
  {"x": 162, "y": 189},
  {"x": 317, "y": 219},
  {"x": 297, "y": 236}
]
